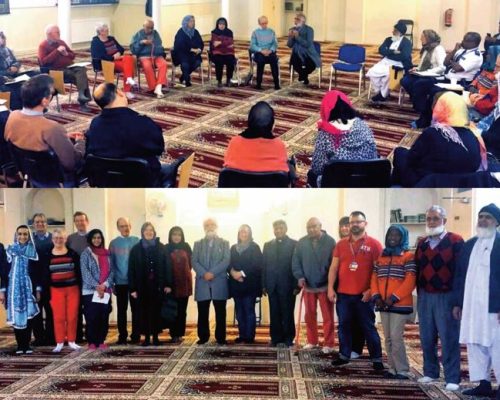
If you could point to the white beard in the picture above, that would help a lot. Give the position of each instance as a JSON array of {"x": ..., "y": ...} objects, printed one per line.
[
  {"x": 438, "y": 230},
  {"x": 210, "y": 235},
  {"x": 485, "y": 233}
]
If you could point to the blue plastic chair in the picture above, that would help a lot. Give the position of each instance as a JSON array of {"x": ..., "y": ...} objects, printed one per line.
[{"x": 351, "y": 60}]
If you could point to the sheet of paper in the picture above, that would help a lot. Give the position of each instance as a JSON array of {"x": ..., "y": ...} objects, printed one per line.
[
  {"x": 3, "y": 101},
  {"x": 449, "y": 86},
  {"x": 3, "y": 108},
  {"x": 103, "y": 300},
  {"x": 427, "y": 74},
  {"x": 20, "y": 78},
  {"x": 79, "y": 64}
]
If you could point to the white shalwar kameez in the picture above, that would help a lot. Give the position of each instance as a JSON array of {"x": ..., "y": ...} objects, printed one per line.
[
  {"x": 379, "y": 74},
  {"x": 480, "y": 330}
]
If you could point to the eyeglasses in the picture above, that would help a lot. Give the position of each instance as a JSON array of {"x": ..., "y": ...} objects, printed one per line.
[
  {"x": 433, "y": 219},
  {"x": 356, "y": 222}
]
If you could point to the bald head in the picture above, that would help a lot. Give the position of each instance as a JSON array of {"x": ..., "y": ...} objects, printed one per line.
[
  {"x": 123, "y": 225},
  {"x": 263, "y": 22},
  {"x": 148, "y": 26},
  {"x": 52, "y": 32},
  {"x": 107, "y": 95},
  {"x": 313, "y": 227}
]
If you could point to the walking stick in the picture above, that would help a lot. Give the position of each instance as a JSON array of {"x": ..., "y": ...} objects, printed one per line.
[{"x": 297, "y": 335}]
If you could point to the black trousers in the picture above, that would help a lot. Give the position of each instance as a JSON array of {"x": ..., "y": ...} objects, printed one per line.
[
  {"x": 79, "y": 325},
  {"x": 281, "y": 309},
  {"x": 23, "y": 337},
  {"x": 122, "y": 300},
  {"x": 224, "y": 60},
  {"x": 303, "y": 68},
  {"x": 261, "y": 60},
  {"x": 43, "y": 328},
  {"x": 179, "y": 327},
  {"x": 96, "y": 319},
  {"x": 220, "y": 320},
  {"x": 358, "y": 337}
]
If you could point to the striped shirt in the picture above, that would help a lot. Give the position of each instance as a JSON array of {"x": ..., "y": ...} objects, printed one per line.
[
  {"x": 111, "y": 47},
  {"x": 64, "y": 269}
]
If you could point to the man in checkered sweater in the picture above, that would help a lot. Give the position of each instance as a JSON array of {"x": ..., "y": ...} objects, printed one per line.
[{"x": 436, "y": 257}]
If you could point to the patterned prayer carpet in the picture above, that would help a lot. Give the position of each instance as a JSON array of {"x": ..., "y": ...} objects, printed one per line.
[
  {"x": 204, "y": 118},
  {"x": 187, "y": 371}
]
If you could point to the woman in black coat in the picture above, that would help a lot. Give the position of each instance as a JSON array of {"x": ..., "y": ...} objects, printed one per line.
[
  {"x": 188, "y": 46},
  {"x": 149, "y": 279},
  {"x": 245, "y": 284}
]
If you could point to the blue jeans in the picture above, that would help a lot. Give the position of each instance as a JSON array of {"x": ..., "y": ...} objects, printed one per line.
[
  {"x": 436, "y": 320},
  {"x": 350, "y": 308},
  {"x": 245, "y": 314}
]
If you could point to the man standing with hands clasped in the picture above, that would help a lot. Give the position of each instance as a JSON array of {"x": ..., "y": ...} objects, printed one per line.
[{"x": 352, "y": 264}]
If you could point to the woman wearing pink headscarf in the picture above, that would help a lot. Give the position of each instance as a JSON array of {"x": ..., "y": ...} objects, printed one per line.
[{"x": 342, "y": 135}]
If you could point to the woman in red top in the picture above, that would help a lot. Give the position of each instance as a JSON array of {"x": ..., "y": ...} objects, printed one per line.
[
  {"x": 222, "y": 51},
  {"x": 256, "y": 149},
  {"x": 179, "y": 257}
]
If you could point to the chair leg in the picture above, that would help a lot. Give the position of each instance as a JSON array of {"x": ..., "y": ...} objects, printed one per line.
[
  {"x": 369, "y": 90},
  {"x": 238, "y": 72},
  {"x": 331, "y": 78},
  {"x": 201, "y": 74},
  {"x": 320, "y": 76},
  {"x": 291, "y": 75},
  {"x": 360, "y": 78},
  {"x": 57, "y": 103},
  {"x": 70, "y": 90},
  {"x": 364, "y": 78},
  {"x": 95, "y": 82},
  {"x": 335, "y": 77}
]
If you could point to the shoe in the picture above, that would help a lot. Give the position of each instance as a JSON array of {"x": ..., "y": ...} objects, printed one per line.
[
  {"x": 389, "y": 375},
  {"x": 221, "y": 342},
  {"x": 29, "y": 350},
  {"x": 239, "y": 340},
  {"x": 134, "y": 340},
  {"x": 306, "y": 81},
  {"x": 413, "y": 125},
  {"x": 130, "y": 81},
  {"x": 176, "y": 339},
  {"x": 354, "y": 355},
  {"x": 82, "y": 99},
  {"x": 129, "y": 95},
  {"x": 74, "y": 346},
  {"x": 84, "y": 107},
  {"x": 219, "y": 84},
  {"x": 401, "y": 377},
  {"x": 201, "y": 342},
  {"x": 156, "y": 342},
  {"x": 277, "y": 87},
  {"x": 38, "y": 343},
  {"x": 258, "y": 87},
  {"x": 103, "y": 346},
  {"x": 425, "y": 379},
  {"x": 146, "y": 343},
  {"x": 378, "y": 366},
  {"x": 452, "y": 387},
  {"x": 327, "y": 350},
  {"x": 483, "y": 389},
  {"x": 18, "y": 351},
  {"x": 92, "y": 346},
  {"x": 189, "y": 84},
  {"x": 58, "y": 348},
  {"x": 378, "y": 97},
  {"x": 339, "y": 362}
]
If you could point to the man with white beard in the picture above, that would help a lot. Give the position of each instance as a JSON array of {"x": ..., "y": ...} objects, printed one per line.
[
  {"x": 436, "y": 257},
  {"x": 477, "y": 301}
]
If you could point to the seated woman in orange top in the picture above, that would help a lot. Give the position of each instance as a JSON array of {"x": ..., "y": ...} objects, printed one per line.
[{"x": 256, "y": 149}]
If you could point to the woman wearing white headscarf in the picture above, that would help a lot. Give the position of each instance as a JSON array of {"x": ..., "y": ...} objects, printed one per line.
[{"x": 188, "y": 46}]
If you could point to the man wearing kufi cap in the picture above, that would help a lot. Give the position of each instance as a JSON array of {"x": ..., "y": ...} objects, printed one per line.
[{"x": 477, "y": 301}]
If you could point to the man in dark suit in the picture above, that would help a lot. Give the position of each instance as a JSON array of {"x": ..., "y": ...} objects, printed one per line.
[{"x": 280, "y": 285}]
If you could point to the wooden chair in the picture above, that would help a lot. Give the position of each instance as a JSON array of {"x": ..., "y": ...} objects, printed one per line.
[
  {"x": 5, "y": 96},
  {"x": 58, "y": 77},
  {"x": 185, "y": 171}
]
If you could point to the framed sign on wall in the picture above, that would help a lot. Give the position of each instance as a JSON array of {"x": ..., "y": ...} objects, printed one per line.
[{"x": 4, "y": 7}]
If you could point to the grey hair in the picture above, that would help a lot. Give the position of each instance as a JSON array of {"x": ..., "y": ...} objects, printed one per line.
[
  {"x": 48, "y": 28},
  {"x": 440, "y": 210},
  {"x": 100, "y": 26},
  {"x": 302, "y": 16},
  {"x": 260, "y": 18}
]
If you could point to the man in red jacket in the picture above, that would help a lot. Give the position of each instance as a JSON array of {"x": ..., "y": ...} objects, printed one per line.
[{"x": 55, "y": 54}]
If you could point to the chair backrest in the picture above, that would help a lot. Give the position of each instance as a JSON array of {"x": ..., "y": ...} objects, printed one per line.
[
  {"x": 58, "y": 77},
  {"x": 108, "y": 70},
  {"x": 352, "y": 54},
  {"x": 185, "y": 171},
  {"x": 231, "y": 178},
  {"x": 357, "y": 174},
  {"x": 481, "y": 179},
  {"x": 317, "y": 46},
  {"x": 173, "y": 56},
  {"x": 128, "y": 172},
  {"x": 42, "y": 168},
  {"x": 5, "y": 96}
]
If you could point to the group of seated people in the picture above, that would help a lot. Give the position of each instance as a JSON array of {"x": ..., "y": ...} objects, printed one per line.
[{"x": 146, "y": 47}]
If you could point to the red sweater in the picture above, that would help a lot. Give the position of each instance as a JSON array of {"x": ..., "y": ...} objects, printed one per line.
[
  {"x": 486, "y": 105},
  {"x": 50, "y": 57},
  {"x": 225, "y": 48}
]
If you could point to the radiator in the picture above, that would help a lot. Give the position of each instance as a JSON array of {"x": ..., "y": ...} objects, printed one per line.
[{"x": 83, "y": 30}]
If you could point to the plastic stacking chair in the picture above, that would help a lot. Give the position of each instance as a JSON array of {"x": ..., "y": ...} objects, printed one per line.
[
  {"x": 351, "y": 60},
  {"x": 357, "y": 174},
  {"x": 175, "y": 64},
  {"x": 211, "y": 65},
  {"x": 232, "y": 178}
]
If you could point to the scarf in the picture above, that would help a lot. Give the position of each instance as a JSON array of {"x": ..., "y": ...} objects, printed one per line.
[
  {"x": 428, "y": 49},
  {"x": 224, "y": 32},
  {"x": 327, "y": 105},
  {"x": 187, "y": 31},
  {"x": 21, "y": 304},
  {"x": 102, "y": 256},
  {"x": 403, "y": 244},
  {"x": 260, "y": 122},
  {"x": 147, "y": 243}
]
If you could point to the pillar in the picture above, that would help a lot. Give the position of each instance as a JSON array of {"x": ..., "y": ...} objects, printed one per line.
[
  {"x": 157, "y": 15},
  {"x": 64, "y": 20}
]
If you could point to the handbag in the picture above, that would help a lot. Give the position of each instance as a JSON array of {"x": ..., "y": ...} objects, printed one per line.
[{"x": 168, "y": 310}]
